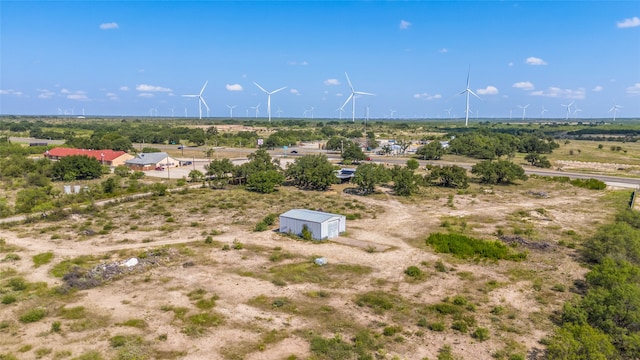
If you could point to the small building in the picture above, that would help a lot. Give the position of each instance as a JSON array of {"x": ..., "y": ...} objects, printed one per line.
[
  {"x": 106, "y": 156},
  {"x": 151, "y": 161},
  {"x": 322, "y": 225}
]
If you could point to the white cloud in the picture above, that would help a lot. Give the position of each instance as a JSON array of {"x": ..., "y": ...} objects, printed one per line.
[
  {"x": 10, "y": 92},
  {"x": 510, "y": 64},
  {"x": 109, "y": 26},
  {"x": 151, "y": 88},
  {"x": 145, "y": 95},
  {"x": 339, "y": 94},
  {"x": 112, "y": 96},
  {"x": 329, "y": 82},
  {"x": 443, "y": 50},
  {"x": 404, "y": 24},
  {"x": 629, "y": 23},
  {"x": 234, "y": 87},
  {"x": 65, "y": 91},
  {"x": 489, "y": 90},
  {"x": 524, "y": 85},
  {"x": 556, "y": 92},
  {"x": 597, "y": 88},
  {"x": 535, "y": 61},
  {"x": 301, "y": 63},
  {"x": 45, "y": 94},
  {"x": 79, "y": 95},
  {"x": 124, "y": 88},
  {"x": 427, "y": 96},
  {"x": 294, "y": 92},
  {"x": 634, "y": 90}
]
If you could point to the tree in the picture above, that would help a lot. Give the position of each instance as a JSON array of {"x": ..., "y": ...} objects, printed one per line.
[
  {"x": 218, "y": 172},
  {"x": 449, "y": 176},
  {"x": 404, "y": 181},
  {"x": 413, "y": 164},
  {"x": 111, "y": 185},
  {"x": 312, "y": 172},
  {"x": 31, "y": 199},
  {"x": 537, "y": 160},
  {"x": 337, "y": 143},
  {"x": 432, "y": 151},
  {"x": 122, "y": 171},
  {"x": 196, "y": 176},
  {"x": 76, "y": 167},
  {"x": 403, "y": 144},
  {"x": 264, "y": 181},
  {"x": 579, "y": 342},
  {"x": 498, "y": 172},
  {"x": 368, "y": 176},
  {"x": 353, "y": 152}
]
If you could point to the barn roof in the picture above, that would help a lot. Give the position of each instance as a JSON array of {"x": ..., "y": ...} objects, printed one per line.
[
  {"x": 309, "y": 215},
  {"x": 109, "y": 155}
]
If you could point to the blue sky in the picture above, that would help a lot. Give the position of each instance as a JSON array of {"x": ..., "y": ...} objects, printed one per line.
[{"x": 128, "y": 57}]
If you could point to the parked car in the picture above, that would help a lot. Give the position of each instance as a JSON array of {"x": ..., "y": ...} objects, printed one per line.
[
  {"x": 368, "y": 159},
  {"x": 294, "y": 151},
  {"x": 159, "y": 168},
  {"x": 180, "y": 147}
]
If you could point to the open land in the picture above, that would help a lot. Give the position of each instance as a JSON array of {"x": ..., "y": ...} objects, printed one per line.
[{"x": 207, "y": 286}]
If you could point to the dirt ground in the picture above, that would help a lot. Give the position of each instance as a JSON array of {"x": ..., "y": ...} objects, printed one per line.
[{"x": 387, "y": 242}]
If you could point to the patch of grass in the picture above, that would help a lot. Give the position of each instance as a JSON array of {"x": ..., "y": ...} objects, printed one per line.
[
  {"x": 197, "y": 324},
  {"x": 33, "y": 315},
  {"x": 380, "y": 301},
  {"x": 414, "y": 272},
  {"x": 74, "y": 313},
  {"x": 42, "y": 259},
  {"x": 89, "y": 355},
  {"x": 207, "y": 304},
  {"x": 83, "y": 262},
  {"x": 136, "y": 323},
  {"x": 465, "y": 247},
  {"x": 11, "y": 257}
]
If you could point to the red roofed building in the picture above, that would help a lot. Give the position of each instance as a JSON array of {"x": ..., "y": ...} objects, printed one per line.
[{"x": 106, "y": 157}]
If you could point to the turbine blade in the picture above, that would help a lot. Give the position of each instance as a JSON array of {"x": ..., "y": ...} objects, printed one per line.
[
  {"x": 363, "y": 93},
  {"x": 275, "y": 91},
  {"x": 474, "y": 94},
  {"x": 346, "y": 102},
  {"x": 349, "y": 81},
  {"x": 190, "y": 95},
  {"x": 261, "y": 88},
  {"x": 204, "y": 102},
  {"x": 205, "y": 85},
  {"x": 468, "y": 75}
]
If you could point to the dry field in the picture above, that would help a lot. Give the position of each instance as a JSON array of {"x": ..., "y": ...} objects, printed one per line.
[{"x": 207, "y": 286}]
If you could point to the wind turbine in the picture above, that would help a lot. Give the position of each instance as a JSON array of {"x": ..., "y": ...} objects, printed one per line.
[
  {"x": 575, "y": 111},
  {"x": 543, "y": 111},
  {"x": 352, "y": 97},
  {"x": 341, "y": 110},
  {"x": 172, "y": 110},
  {"x": 468, "y": 91},
  {"x": 269, "y": 93},
  {"x": 257, "y": 109},
  {"x": 391, "y": 111},
  {"x": 200, "y": 99},
  {"x": 615, "y": 109},
  {"x": 524, "y": 110},
  {"x": 568, "y": 109},
  {"x": 448, "y": 112},
  {"x": 279, "y": 112},
  {"x": 231, "y": 110}
]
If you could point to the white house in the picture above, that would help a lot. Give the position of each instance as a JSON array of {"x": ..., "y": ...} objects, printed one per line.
[
  {"x": 150, "y": 161},
  {"x": 322, "y": 225}
]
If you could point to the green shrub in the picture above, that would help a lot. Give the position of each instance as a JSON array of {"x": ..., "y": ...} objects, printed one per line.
[
  {"x": 460, "y": 326},
  {"x": 8, "y": 299},
  {"x": 437, "y": 326},
  {"x": 481, "y": 334},
  {"x": 306, "y": 234},
  {"x": 440, "y": 267},
  {"x": 17, "y": 284},
  {"x": 11, "y": 257},
  {"x": 33, "y": 315},
  {"x": 391, "y": 330},
  {"x": 414, "y": 272},
  {"x": 591, "y": 184},
  {"x": 422, "y": 322},
  {"x": 136, "y": 323},
  {"x": 56, "y": 327},
  {"x": 464, "y": 247},
  {"x": 270, "y": 219},
  {"x": 261, "y": 226}
]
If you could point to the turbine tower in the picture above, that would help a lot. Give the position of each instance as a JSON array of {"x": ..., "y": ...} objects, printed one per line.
[
  {"x": 524, "y": 110},
  {"x": 231, "y": 110},
  {"x": 391, "y": 111},
  {"x": 341, "y": 110},
  {"x": 279, "y": 112},
  {"x": 468, "y": 91},
  {"x": 615, "y": 109},
  {"x": 543, "y": 111},
  {"x": 257, "y": 109},
  {"x": 352, "y": 97},
  {"x": 269, "y": 93},
  {"x": 568, "y": 109},
  {"x": 200, "y": 99}
]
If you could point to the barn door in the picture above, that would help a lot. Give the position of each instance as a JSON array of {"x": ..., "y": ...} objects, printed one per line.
[{"x": 333, "y": 229}]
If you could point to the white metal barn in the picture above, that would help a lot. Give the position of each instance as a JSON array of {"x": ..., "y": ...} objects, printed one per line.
[{"x": 322, "y": 225}]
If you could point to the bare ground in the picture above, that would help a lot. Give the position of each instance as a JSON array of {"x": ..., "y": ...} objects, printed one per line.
[{"x": 386, "y": 240}]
